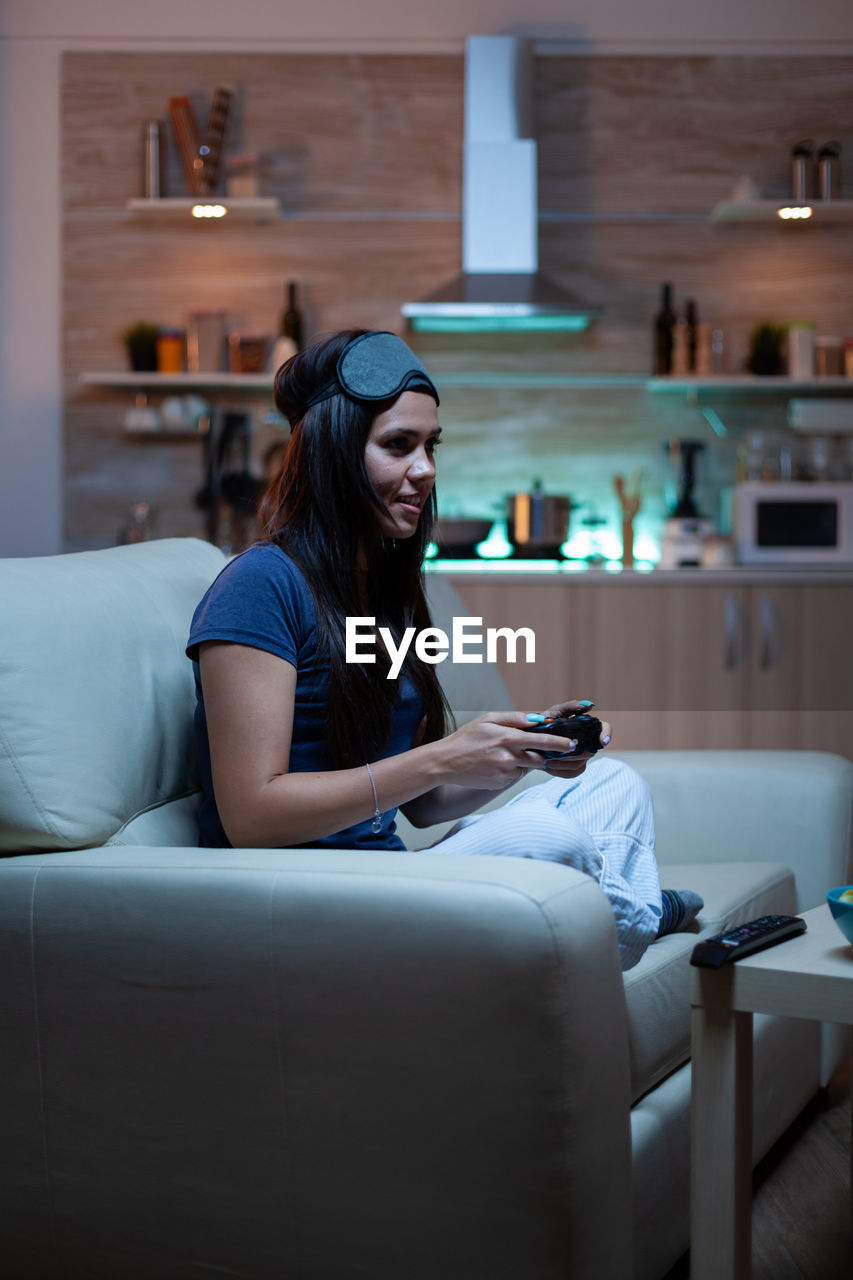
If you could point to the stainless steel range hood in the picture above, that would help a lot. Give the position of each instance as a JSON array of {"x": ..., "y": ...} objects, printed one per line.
[{"x": 501, "y": 286}]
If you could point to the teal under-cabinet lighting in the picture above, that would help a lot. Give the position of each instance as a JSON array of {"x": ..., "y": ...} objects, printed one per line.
[
  {"x": 714, "y": 421},
  {"x": 496, "y": 546},
  {"x": 500, "y": 324}
]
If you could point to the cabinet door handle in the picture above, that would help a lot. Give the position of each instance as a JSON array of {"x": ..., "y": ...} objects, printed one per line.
[
  {"x": 772, "y": 634},
  {"x": 734, "y": 632}
]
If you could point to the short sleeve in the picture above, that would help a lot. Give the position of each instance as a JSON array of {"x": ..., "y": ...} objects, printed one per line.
[{"x": 260, "y": 599}]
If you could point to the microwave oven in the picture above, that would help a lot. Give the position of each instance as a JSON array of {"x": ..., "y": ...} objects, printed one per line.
[{"x": 795, "y": 523}]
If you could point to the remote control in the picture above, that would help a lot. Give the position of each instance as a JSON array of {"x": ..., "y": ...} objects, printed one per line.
[
  {"x": 766, "y": 931},
  {"x": 585, "y": 729}
]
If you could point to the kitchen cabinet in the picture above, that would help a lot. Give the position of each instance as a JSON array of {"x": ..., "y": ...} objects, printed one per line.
[{"x": 722, "y": 664}]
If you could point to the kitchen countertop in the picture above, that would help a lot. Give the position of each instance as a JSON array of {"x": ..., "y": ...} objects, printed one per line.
[{"x": 564, "y": 570}]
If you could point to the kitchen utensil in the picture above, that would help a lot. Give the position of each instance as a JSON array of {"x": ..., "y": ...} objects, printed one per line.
[
  {"x": 211, "y": 149},
  {"x": 152, "y": 162},
  {"x": 186, "y": 135},
  {"x": 228, "y": 441},
  {"x": 458, "y": 538},
  {"x": 538, "y": 523},
  {"x": 630, "y": 504}
]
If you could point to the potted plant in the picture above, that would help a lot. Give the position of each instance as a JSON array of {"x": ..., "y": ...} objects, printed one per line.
[
  {"x": 766, "y": 349},
  {"x": 140, "y": 341}
]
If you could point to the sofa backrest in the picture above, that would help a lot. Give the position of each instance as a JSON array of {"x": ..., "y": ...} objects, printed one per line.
[
  {"x": 472, "y": 688},
  {"x": 96, "y": 696}
]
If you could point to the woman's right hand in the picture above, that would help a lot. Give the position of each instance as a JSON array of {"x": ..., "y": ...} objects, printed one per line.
[{"x": 496, "y": 749}]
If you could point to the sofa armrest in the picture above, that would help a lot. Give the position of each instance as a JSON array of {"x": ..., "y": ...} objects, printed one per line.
[
  {"x": 789, "y": 807},
  {"x": 311, "y": 1061}
]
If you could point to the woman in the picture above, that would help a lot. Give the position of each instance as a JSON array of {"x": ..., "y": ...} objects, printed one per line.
[{"x": 299, "y": 747}]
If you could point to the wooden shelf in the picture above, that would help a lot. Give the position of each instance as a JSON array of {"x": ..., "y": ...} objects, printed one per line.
[
  {"x": 163, "y": 435},
  {"x": 240, "y": 208},
  {"x": 183, "y": 381},
  {"x": 768, "y": 211},
  {"x": 263, "y": 382},
  {"x": 750, "y": 383}
]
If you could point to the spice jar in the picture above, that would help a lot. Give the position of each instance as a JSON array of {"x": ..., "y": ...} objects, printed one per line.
[
  {"x": 829, "y": 357},
  {"x": 848, "y": 357},
  {"x": 171, "y": 348}
]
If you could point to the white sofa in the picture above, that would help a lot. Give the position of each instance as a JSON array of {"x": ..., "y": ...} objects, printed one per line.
[{"x": 263, "y": 1063}]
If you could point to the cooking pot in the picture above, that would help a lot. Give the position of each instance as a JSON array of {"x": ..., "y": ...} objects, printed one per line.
[
  {"x": 537, "y": 523},
  {"x": 458, "y": 537}
]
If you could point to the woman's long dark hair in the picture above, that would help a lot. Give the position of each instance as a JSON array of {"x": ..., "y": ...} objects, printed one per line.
[{"x": 321, "y": 510}]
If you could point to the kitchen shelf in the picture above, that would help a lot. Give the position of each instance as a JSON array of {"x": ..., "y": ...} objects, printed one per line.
[
  {"x": 165, "y": 435},
  {"x": 263, "y": 382},
  {"x": 768, "y": 211},
  {"x": 240, "y": 208},
  {"x": 750, "y": 383},
  {"x": 185, "y": 381},
  {"x": 580, "y": 381}
]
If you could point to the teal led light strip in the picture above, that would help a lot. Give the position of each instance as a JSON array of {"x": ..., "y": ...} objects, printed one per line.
[{"x": 500, "y": 324}]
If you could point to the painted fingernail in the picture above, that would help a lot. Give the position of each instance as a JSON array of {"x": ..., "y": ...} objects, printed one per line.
[
  {"x": 606, "y": 739},
  {"x": 585, "y": 702},
  {"x": 535, "y": 718},
  {"x": 574, "y": 743}
]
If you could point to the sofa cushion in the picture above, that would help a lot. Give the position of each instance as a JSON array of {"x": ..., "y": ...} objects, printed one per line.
[
  {"x": 657, "y": 990},
  {"x": 95, "y": 728}
]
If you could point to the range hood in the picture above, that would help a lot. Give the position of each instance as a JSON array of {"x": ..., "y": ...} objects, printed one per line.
[{"x": 501, "y": 286}]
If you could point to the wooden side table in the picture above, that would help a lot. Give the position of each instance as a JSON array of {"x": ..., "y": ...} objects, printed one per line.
[{"x": 810, "y": 976}]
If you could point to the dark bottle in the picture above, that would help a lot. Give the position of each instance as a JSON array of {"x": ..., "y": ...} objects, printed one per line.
[
  {"x": 291, "y": 320},
  {"x": 692, "y": 334},
  {"x": 289, "y": 339},
  {"x": 664, "y": 328}
]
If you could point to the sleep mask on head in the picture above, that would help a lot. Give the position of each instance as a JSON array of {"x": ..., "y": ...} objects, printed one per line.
[{"x": 374, "y": 367}]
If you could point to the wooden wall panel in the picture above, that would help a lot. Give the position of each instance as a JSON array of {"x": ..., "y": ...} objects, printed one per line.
[{"x": 622, "y": 142}]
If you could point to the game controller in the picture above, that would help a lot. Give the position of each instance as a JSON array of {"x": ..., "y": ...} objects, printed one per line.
[{"x": 586, "y": 730}]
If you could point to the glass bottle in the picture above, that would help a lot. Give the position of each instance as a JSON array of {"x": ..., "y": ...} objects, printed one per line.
[
  {"x": 290, "y": 332},
  {"x": 663, "y": 333}
]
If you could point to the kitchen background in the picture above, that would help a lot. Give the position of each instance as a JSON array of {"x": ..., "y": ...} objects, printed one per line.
[{"x": 365, "y": 153}]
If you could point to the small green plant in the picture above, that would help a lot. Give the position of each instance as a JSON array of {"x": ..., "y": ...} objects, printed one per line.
[
  {"x": 766, "y": 349},
  {"x": 140, "y": 341}
]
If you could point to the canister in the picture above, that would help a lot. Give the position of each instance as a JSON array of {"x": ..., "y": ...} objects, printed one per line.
[
  {"x": 205, "y": 341},
  {"x": 828, "y": 170},
  {"x": 802, "y": 164},
  {"x": 171, "y": 347},
  {"x": 801, "y": 351},
  {"x": 247, "y": 352}
]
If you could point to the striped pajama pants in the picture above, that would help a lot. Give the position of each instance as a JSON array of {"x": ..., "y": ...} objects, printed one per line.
[{"x": 600, "y": 822}]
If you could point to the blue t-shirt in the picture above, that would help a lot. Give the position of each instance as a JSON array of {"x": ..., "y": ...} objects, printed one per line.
[{"x": 261, "y": 599}]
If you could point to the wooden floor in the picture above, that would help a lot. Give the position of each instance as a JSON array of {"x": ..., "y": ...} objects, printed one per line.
[{"x": 802, "y": 1228}]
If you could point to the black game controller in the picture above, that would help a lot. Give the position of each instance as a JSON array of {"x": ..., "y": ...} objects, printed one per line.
[{"x": 585, "y": 729}]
